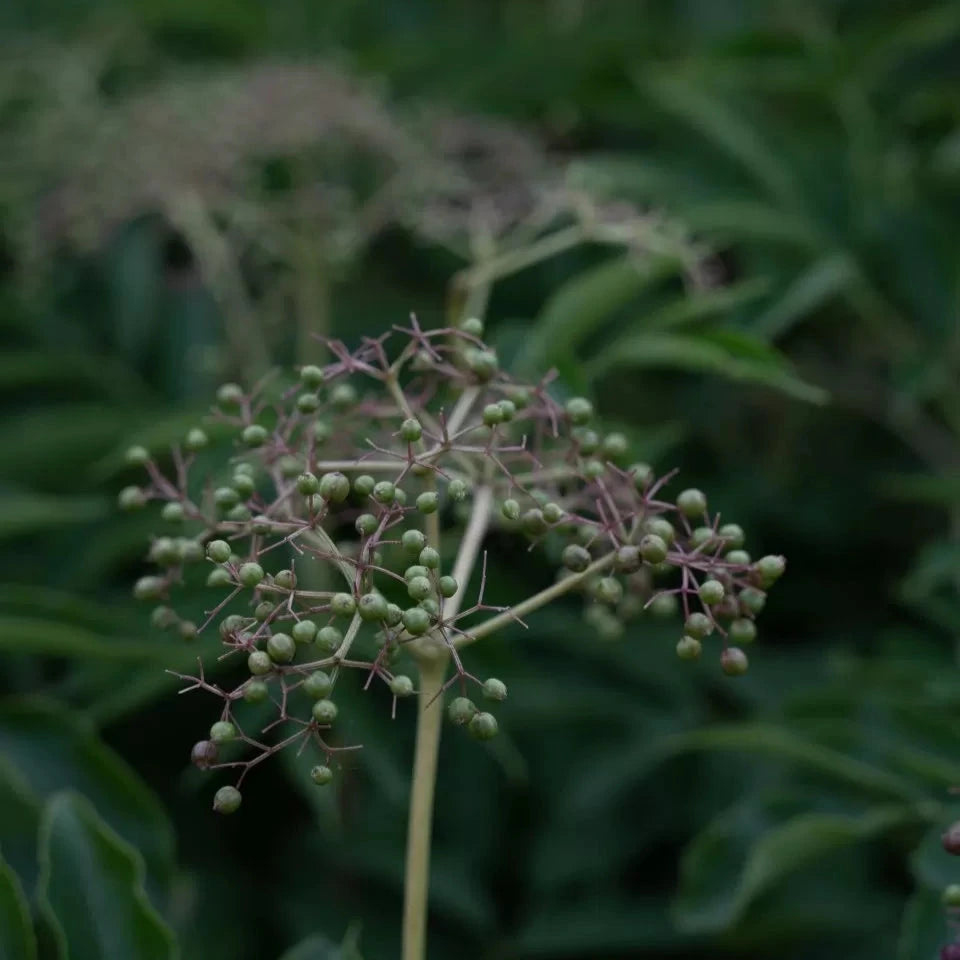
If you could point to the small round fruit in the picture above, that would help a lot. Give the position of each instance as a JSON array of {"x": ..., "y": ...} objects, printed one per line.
[
  {"x": 343, "y": 396},
  {"x": 372, "y": 607},
  {"x": 187, "y": 629},
  {"x": 483, "y": 726},
  {"x": 428, "y": 502},
  {"x": 732, "y": 535},
  {"x": 223, "y": 732},
  {"x": 692, "y": 503},
  {"x": 281, "y": 648},
  {"x": 510, "y": 509},
  {"x": 250, "y": 574},
  {"x": 483, "y": 363},
  {"x": 334, "y": 487},
  {"x": 461, "y": 710},
  {"x": 329, "y": 639},
  {"x": 770, "y": 568},
  {"x": 307, "y": 484},
  {"x": 324, "y": 711},
  {"x": 733, "y": 662},
  {"x": 366, "y": 524},
  {"x": 711, "y": 592},
  {"x": 229, "y": 395},
  {"x": 642, "y": 475},
  {"x": 131, "y": 498},
  {"x": 285, "y": 579},
  {"x": 163, "y": 618},
  {"x": 259, "y": 663},
  {"x": 227, "y": 800},
  {"x": 321, "y": 431},
  {"x": 743, "y": 630},
  {"x": 594, "y": 469},
  {"x": 662, "y": 528},
  {"x": 533, "y": 523},
  {"x": 218, "y": 577},
  {"x": 401, "y": 686},
  {"x": 752, "y": 600},
  {"x": 494, "y": 689},
  {"x": 308, "y": 403},
  {"x": 195, "y": 440},
  {"x": 576, "y": 558},
  {"x": 413, "y": 541},
  {"x": 580, "y": 410},
  {"x": 615, "y": 447},
  {"x": 263, "y": 610},
  {"x": 419, "y": 588},
  {"x": 317, "y": 685},
  {"x": 508, "y": 410},
  {"x": 343, "y": 605},
  {"x": 608, "y": 590},
  {"x": 311, "y": 376},
  {"x": 384, "y": 492},
  {"x": 627, "y": 559},
  {"x": 225, "y": 497},
  {"x": 304, "y": 631},
  {"x": 204, "y": 754},
  {"x": 148, "y": 588},
  {"x": 951, "y": 895},
  {"x": 172, "y": 512},
  {"x": 447, "y": 586},
  {"x": 416, "y": 570},
  {"x": 363, "y": 485},
  {"x": 473, "y": 326},
  {"x": 739, "y": 557},
  {"x": 255, "y": 691},
  {"x": 410, "y": 430},
  {"x": 457, "y": 490},
  {"x": 492, "y": 414},
  {"x": 552, "y": 512},
  {"x": 321, "y": 774},
  {"x": 664, "y": 605},
  {"x": 653, "y": 548},
  {"x": 416, "y": 621},
  {"x": 689, "y": 648},
  {"x": 698, "y": 625},
  {"x": 429, "y": 558},
  {"x": 136, "y": 456},
  {"x": 254, "y": 435}
]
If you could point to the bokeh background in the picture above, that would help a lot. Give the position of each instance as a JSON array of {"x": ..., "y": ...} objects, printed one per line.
[{"x": 190, "y": 188}]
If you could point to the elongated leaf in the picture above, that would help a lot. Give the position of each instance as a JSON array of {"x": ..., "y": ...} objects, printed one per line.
[
  {"x": 728, "y": 865},
  {"x": 19, "y": 823},
  {"x": 319, "y": 947},
  {"x": 924, "y": 929},
  {"x": 725, "y": 353},
  {"x": 938, "y": 489},
  {"x": 53, "y": 638},
  {"x": 91, "y": 888},
  {"x": 823, "y": 280},
  {"x": 23, "y": 513},
  {"x": 17, "y": 941},
  {"x": 699, "y": 306},
  {"x": 751, "y": 220}
]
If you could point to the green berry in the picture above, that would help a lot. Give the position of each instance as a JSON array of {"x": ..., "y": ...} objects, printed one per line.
[
  {"x": 244, "y": 484},
  {"x": 164, "y": 551},
  {"x": 461, "y": 710},
  {"x": 627, "y": 559},
  {"x": 711, "y": 592},
  {"x": 136, "y": 456},
  {"x": 131, "y": 498},
  {"x": 304, "y": 631},
  {"x": 739, "y": 557},
  {"x": 195, "y": 440},
  {"x": 329, "y": 638},
  {"x": 324, "y": 711},
  {"x": 431, "y": 606},
  {"x": 752, "y": 600},
  {"x": 363, "y": 485},
  {"x": 394, "y": 614},
  {"x": 321, "y": 431},
  {"x": 410, "y": 430},
  {"x": 229, "y": 395},
  {"x": 285, "y": 579},
  {"x": 473, "y": 326},
  {"x": 457, "y": 490},
  {"x": 401, "y": 686},
  {"x": 366, "y": 524},
  {"x": 661, "y": 528},
  {"x": 698, "y": 625},
  {"x": 417, "y": 570},
  {"x": 664, "y": 605},
  {"x": 317, "y": 685},
  {"x": 308, "y": 403},
  {"x": 307, "y": 484},
  {"x": 225, "y": 497},
  {"x": 429, "y": 558},
  {"x": 492, "y": 414},
  {"x": 148, "y": 588},
  {"x": 692, "y": 503},
  {"x": 552, "y": 512},
  {"x": 653, "y": 549},
  {"x": 580, "y": 410},
  {"x": 384, "y": 492},
  {"x": 483, "y": 363},
  {"x": 743, "y": 630},
  {"x": 447, "y": 586},
  {"x": 951, "y": 895},
  {"x": 615, "y": 446},
  {"x": 533, "y": 523},
  {"x": 400, "y": 496},
  {"x": 172, "y": 512},
  {"x": 689, "y": 648},
  {"x": 416, "y": 621},
  {"x": 259, "y": 663},
  {"x": 494, "y": 689},
  {"x": 419, "y": 588},
  {"x": 231, "y": 624},
  {"x": 263, "y": 610},
  {"x": 428, "y": 502},
  {"x": 163, "y": 618},
  {"x": 343, "y": 396},
  {"x": 701, "y": 536},
  {"x": 642, "y": 475},
  {"x": 238, "y": 514},
  {"x": 483, "y": 726},
  {"x": 733, "y": 662},
  {"x": 254, "y": 435},
  {"x": 770, "y": 568},
  {"x": 733, "y": 536},
  {"x": 413, "y": 541},
  {"x": 281, "y": 648},
  {"x": 343, "y": 605},
  {"x": 321, "y": 774},
  {"x": 219, "y": 577},
  {"x": 588, "y": 441},
  {"x": 187, "y": 629},
  {"x": 311, "y": 376},
  {"x": 608, "y": 590},
  {"x": 250, "y": 574},
  {"x": 262, "y": 525},
  {"x": 334, "y": 487},
  {"x": 508, "y": 410},
  {"x": 576, "y": 558},
  {"x": 372, "y": 606},
  {"x": 594, "y": 469},
  {"x": 510, "y": 509},
  {"x": 223, "y": 732},
  {"x": 518, "y": 396},
  {"x": 227, "y": 800},
  {"x": 255, "y": 691}
]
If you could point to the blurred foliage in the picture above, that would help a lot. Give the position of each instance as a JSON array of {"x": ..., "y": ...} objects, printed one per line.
[{"x": 789, "y": 173}]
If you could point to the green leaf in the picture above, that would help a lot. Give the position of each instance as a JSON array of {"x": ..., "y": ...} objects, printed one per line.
[
  {"x": 319, "y": 947},
  {"x": 941, "y": 489},
  {"x": 23, "y": 513},
  {"x": 727, "y": 353},
  {"x": 91, "y": 888},
  {"x": 727, "y": 866},
  {"x": 752, "y": 220},
  {"x": 699, "y": 306},
  {"x": 17, "y": 941},
  {"x": 19, "y": 823},
  {"x": 53, "y": 638},
  {"x": 819, "y": 283},
  {"x": 924, "y": 928}
]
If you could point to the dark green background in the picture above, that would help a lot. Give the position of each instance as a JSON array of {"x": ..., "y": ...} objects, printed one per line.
[{"x": 634, "y": 807}]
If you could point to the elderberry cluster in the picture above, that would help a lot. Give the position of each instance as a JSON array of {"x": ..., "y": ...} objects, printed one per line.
[{"x": 341, "y": 537}]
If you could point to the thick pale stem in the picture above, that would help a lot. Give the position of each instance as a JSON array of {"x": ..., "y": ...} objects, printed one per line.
[{"x": 420, "y": 821}]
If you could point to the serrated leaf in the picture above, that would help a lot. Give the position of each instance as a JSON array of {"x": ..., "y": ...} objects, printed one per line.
[
  {"x": 728, "y": 865},
  {"x": 91, "y": 888},
  {"x": 17, "y": 940}
]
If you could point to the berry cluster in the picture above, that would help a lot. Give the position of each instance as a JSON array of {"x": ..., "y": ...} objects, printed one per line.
[{"x": 323, "y": 538}]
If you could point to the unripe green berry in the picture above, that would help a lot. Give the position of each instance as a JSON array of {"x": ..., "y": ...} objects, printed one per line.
[
  {"x": 627, "y": 559},
  {"x": 552, "y": 512},
  {"x": 384, "y": 492},
  {"x": 752, "y": 600},
  {"x": 576, "y": 558},
  {"x": 740, "y": 557},
  {"x": 692, "y": 503},
  {"x": 413, "y": 541},
  {"x": 284, "y": 579},
  {"x": 483, "y": 726},
  {"x": 492, "y": 414},
  {"x": 615, "y": 446},
  {"x": 263, "y": 610},
  {"x": 689, "y": 648},
  {"x": 743, "y": 630},
  {"x": 324, "y": 711},
  {"x": 223, "y": 732},
  {"x": 204, "y": 754},
  {"x": 457, "y": 490},
  {"x": 400, "y": 496},
  {"x": 218, "y": 577},
  {"x": 308, "y": 403},
  {"x": 733, "y": 536},
  {"x": 494, "y": 689},
  {"x": 254, "y": 435},
  {"x": 136, "y": 456},
  {"x": 321, "y": 431},
  {"x": 131, "y": 498},
  {"x": 343, "y": 605},
  {"x": 508, "y": 410},
  {"x": 231, "y": 624},
  {"x": 261, "y": 525},
  {"x": 664, "y": 605},
  {"x": 321, "y": 774},
  {"x": 594, "y": 469},
  {"x": 653, "y": 549},
  {"x": 770, "y": 568},
  {"x": 642, "y": 475},
  {"x": 311, "y": 376},
  {"x": 419, "y": 588},
  {"x": 259, "y": 663},
  {"x": 195, "y": 440},
  {"x": 662, "y": 528},
  {"x": 250, "y": 574},
  {"x": 148, "y": 588},
  {"x": 580, "y": 410},
  {"x": 334, "y": 487},
  {"x": 343, "y": 396},
  {"x": 281, "y": 648},
  {"x": 429, "y": 558},
  {"x": 417, "y": 570},
  {"x": 701, "y": 536},
  {"x": 698, "y": 625},
  {"x": 229, "y": 395},
  {"x": 187, "y": 629},
  {"x": 317, "y": 685},
  {"x": 519, "y": 396},
  {"x": 394, "y": 614},
  {"x": 428, "y": 502},
  {"x": 588, "y": 441},
  {"x": 163, "y": 550},
  {"x": 227, "y": 800},
  {"x": 255, "y": 691},
  {"x": 483, "y": 363},
  {"x": 372, "y": 607},
  {"x": 238, "y": 514},
  {"x": 225, "y": 497},
  {"x": 733, "y": 662},
  {"x": 189, "y": 551},
  {"x": 366, "y": 524},
  {"x": 608, "y": 590},
  {"x": 163, "y": 618},
  {"x": 511, "y": 509},
  {"x": 172, "y": 512},
  {"x": 532, "y": 522},
  {"x": 951, "y": 896},
  {"x": 363, "y": 485},
  {"x": 410, "y": 430},
  {"x": 711, "y": 592},
  {"x": 304, "y": 631},
  {"x": 473, "y": 326},
  {"x": 447, "y": 586},
  {"x": 461, "y": 710},
  {"x": 401, "y": 686},
  {"x": 329, "y": 638},
  {"x": 307, "y": 484},
  {"x": 416, "y": 621}
]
